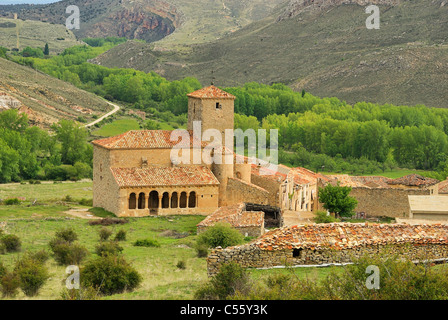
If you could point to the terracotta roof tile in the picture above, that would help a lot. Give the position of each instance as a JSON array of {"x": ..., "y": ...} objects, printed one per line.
[
  {"x": 163, "y": 176},
  {"x": 348, "y": 235},
  {"x": 236, "y": 215},
  {"x": 374, "y": 182},
  {"x": 211, "y": 92},
  {"x": 142, "y": 139},
  {"x": 414, "y": 180}
]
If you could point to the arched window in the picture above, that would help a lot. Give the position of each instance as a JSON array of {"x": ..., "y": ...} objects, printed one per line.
[
  {"x": 153, "y": 201},
  {"x": 192, "y": 200},
  {"x": 183, "y": 200},
  {"x": 166, "y": 200},
  {"x": 174, "y": 200},
  {"x": 132, "y": 201},
  {"x": 141, "y": 201}
]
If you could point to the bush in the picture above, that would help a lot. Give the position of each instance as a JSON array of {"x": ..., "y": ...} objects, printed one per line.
[
  {"x": 11, "y": 202},
  {"x": 110, "y": 275},
  {"x": 32, "y": 275},
  {"x": 104, "y": 233},
  {"x": 322, "y": 217},
  {"x": 220, "y": 235},
  {"x": 66, "y": 253},
  {"x": 2, "y": 248},
  {"x": 41, "y": 256},
  {"x": 181, "y": 264},
  {"x": 11, "y": 243},
  {"x": 230, "y": 280},
  {"x": 86, "y": 202},
  {"x": 80, "y": 294},
  {"x": 121, "y": 235},
  {"x": 147, "y": 243},
  {"x": 9, "y": 284},
  {"x": 108, "y": 248},
  {"x": 67, "y": 234},
  {"x": 202, "y": 251}
]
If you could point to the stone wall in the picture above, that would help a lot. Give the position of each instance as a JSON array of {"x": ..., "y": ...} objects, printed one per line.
[
  {"x": 240, "y": 191},
  {"x": 250, "y": 256},
  {"x": 385, "y": 202},
  {"x": 271, "y": 185}
]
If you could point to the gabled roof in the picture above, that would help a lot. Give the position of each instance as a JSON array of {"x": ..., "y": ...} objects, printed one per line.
[
  {"x": 211, "y": 92},
  {"x": 348, "y": 235},
  {"x": 164, "y": 176},
  {"x": 144, "y": 139}
]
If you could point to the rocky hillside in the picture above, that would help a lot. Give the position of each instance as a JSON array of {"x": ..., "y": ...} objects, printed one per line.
[
  {"x": 148, "y": 20},
  {"x": 327, "y": 52},
  {"x": 45, "y": 99}
]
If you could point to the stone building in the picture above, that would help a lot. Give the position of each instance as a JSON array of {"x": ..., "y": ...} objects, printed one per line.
[
  {"x": 134, "y": 173},
  {"x": 334, "y": 243},
  {"x": 380, "y": 196}
]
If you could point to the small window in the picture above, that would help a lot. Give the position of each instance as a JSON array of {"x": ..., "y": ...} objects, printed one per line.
[
  {"x": 218, "y": 105},
  {"x": 296, "y": 253}
]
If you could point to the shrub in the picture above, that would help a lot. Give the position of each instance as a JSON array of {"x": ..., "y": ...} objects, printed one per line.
[
  {"x": 108, "y": 248},
  {"x": 322, "y": 217},
  {"x": 41, "y": 256},
  {"x": 80, "y": 294},
  {"x": 147, "y": 243},
  {"x": 230, "y": 279},
  {"x": 86, "y": 202},
  {"x": 9, "y": 284},
  {"x": 31, "y": 274},
  {"x": 181, "y": 264},
  {"x": 11, "y": 242},
  {"x": 67, "y": 234},
  {"x": 220, "y": 235},
  {"x": 121, "y": 235},
  {"x": 11, "y": 202},
  {"x": 104, "y": 233},
  {"x": 202, "y": 251},
  {"x": 66, "y": 253},
  {"x": 2, "y": 248},
  {"x": 110, "y": 275}
]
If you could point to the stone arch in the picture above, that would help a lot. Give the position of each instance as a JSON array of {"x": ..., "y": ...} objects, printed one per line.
[
  {"x": 153, "y": 200},
  {"x": 183, "y": 200},
  {"x": 132, "y": 201},
  {"x": 142, "y": 200},
  {"x": 174, "y": 200},
  {"x": 165, "y": 200},
  {"x": 192, "y": 200}
]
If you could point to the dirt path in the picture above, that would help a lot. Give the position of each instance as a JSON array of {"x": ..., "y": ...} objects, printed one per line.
[
  {"x": 115, "y": 110},
  {"x": 81, "y": 213}
]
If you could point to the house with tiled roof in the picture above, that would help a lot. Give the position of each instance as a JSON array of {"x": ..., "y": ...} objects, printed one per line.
[
  {"x": 135, "y": 173},
  {"x": 334, "y": 243},
  {"x": 381, "y": 196}
]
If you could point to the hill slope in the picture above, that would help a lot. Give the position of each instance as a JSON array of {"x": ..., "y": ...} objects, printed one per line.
[
  {"x": 192, "y": 21},
  {"x": 45, "y": 99},
  {"x": 327, "y": 51},
  {"x": 35, "y": 34}
]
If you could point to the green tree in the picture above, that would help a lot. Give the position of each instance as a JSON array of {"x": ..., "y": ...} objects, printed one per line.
[
  {"x": 46, "y": 50},
  {"x": 336, "y": 199}
]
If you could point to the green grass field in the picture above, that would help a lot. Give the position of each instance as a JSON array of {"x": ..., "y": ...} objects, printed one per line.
[{"x": 117, "y": 127}]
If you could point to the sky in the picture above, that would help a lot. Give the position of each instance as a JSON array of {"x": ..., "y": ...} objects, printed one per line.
[{"x": 26, "y": 1}]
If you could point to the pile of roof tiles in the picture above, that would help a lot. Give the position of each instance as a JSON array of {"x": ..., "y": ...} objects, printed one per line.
[{"x": 236, "y": 215}]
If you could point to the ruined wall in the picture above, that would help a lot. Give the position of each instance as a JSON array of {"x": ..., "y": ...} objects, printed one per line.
[
  {"x": 239, "y": 191},
  {"x": 271, "y": 185},
  {"x": 250, "y": 256},
  {"x": 385, "y": 202}
]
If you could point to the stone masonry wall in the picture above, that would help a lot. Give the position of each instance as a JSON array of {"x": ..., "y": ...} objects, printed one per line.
[
  {"x": 385, "y": 202},
  {"x": 250, "y": 256}
]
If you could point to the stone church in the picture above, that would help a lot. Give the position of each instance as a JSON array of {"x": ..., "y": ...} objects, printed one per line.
[{"x": 134, "y": 174}]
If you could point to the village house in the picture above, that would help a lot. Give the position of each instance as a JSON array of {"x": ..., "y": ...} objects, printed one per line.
[
  {"x": 134, "y": 174},
  {"x": 380, "y": 196}
]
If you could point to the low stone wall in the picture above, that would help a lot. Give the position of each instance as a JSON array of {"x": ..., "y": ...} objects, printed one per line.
[{"x": 250, "y": 256}]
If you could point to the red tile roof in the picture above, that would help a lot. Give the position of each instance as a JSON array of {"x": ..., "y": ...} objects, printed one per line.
[
  {"x": 443, "y": 187},
  {"x": 348, "y": 235},
  {"x": 415, "y": 180},
  {"x": 412, "y": 180},
  {"x": 142, "y": 139},
  {"x": 236, "y": 215},
  {"x": 164, "y": 176},
  {"x": 211, "y": 92}
]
